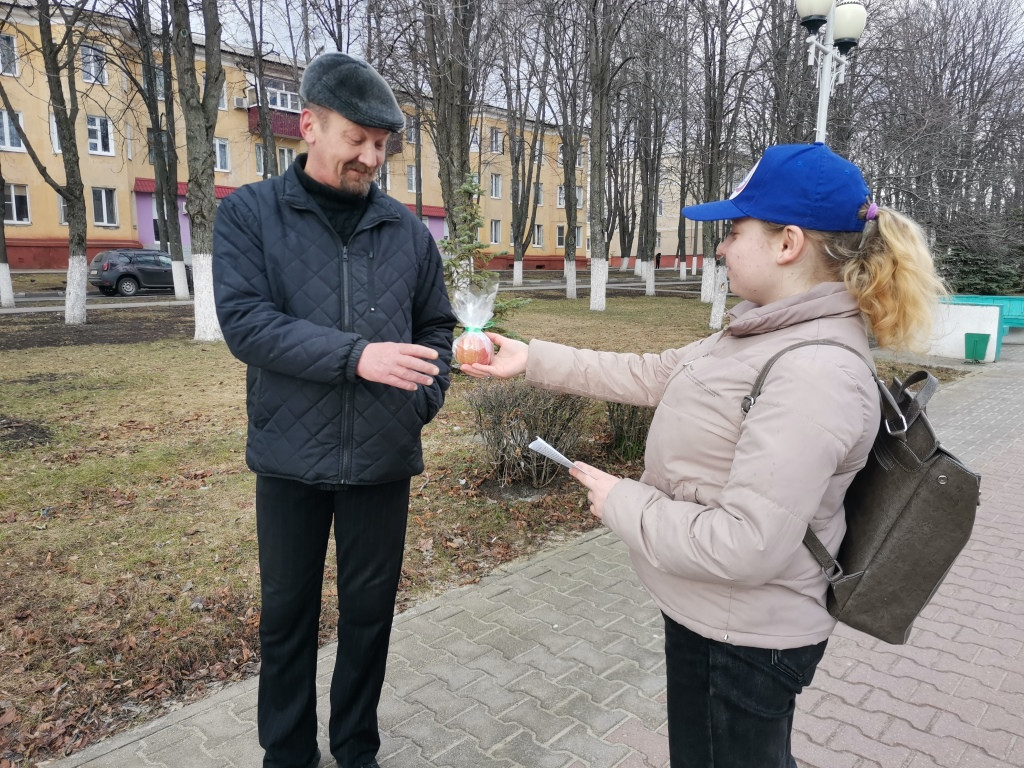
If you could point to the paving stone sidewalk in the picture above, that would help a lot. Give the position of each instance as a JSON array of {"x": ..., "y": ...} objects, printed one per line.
[{"x": 556, "y": 662}]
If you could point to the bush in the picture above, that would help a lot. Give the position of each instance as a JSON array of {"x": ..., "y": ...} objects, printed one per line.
[
  {"x": 985, "y": 273},
  {"x": 510, "y": 413},
  {"x": 629, "y": 425}
]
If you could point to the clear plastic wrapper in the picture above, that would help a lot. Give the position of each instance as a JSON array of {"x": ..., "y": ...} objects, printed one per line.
[{"x": 474, "y": 306}]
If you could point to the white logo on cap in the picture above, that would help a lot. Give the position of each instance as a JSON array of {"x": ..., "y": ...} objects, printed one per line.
[{"x": 743, "y": 184}]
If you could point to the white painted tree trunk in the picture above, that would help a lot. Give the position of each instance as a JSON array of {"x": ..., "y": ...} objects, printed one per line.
[
  {"x": 638, "y": 267},
  {"x": 6, "y": 288},
  {"x": 570, "y": 279},
  {"x": 693, "y": 270},
  {"x": 180, "y": 278},
  {"x": 624, "y": 264},
  {"x": 517, "y": 273},
  {"x": 649, "y": 281},
  {"x": 721, "y": 289},
  {"x": 707, "y": 283},
  {"x": 598, "y": 283},
  {"x": 74, "y": 298},
  {"x": 207, "y": 325},
  {"x": 682, "y": 269}
]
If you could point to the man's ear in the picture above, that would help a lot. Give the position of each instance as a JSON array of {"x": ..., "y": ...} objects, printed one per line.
[
  {"x": 791, "y": 245},
  {"x": 306, "y": 120}
]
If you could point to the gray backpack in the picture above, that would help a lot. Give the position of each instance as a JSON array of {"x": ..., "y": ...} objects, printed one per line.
[{"x": 909, "y": 513}]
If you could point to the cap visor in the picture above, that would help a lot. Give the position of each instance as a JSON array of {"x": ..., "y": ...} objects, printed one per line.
[{"x": 719, "y": 210}]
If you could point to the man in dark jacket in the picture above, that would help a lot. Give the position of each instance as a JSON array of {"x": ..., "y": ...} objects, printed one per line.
[{"x": 332, "y": 293}]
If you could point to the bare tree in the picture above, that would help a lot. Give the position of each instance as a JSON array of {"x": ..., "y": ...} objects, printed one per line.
[
  {"x": 6, "y": 287},
  {"x": 252, "y": 14},
  {"x": 605, "y": 21},
  {"x": 153, "y": 82},
  {"x": 200, "y": 112},
  {"x": 60, "y": 51},
  {"x": 564, "y": 34},
  {"x": 524, "y": 72}
]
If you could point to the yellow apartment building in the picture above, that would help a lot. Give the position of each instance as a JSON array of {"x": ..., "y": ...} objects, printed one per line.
[{"x": 115, "y": 143}]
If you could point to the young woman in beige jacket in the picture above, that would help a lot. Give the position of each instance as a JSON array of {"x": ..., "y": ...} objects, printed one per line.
[{"x": 715, "y": 523}]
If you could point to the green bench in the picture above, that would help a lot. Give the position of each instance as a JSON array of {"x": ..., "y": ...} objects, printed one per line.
[{"x": 1011, "y": 312}]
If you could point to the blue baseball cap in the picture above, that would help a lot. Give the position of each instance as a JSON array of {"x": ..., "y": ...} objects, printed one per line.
[{"x": 807, "y": 185}]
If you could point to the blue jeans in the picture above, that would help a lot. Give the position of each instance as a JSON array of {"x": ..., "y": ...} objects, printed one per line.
[
  {"x": 293, "y": 524},
  {"x": 730, "y": 706}
]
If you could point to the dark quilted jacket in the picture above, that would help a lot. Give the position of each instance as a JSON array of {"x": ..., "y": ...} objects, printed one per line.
[{"x": 298, "y": 306}]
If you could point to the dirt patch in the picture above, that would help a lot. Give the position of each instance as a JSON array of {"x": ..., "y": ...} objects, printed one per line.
[
  {"x": 16, "y": 435},
  {"x": 104, "y": 326}
]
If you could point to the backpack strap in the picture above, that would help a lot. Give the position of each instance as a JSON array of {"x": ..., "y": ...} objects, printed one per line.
[{"x": 896, "y": 424}]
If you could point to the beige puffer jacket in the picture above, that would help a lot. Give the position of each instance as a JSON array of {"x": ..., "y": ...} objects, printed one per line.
[{"x": 715, "y": 523}]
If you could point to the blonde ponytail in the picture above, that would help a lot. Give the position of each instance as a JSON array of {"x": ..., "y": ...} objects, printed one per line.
[{"x": 890, "y": 271}]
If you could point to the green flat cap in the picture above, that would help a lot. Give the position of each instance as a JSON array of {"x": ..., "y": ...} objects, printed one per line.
[{"x": 353, "y": 89}]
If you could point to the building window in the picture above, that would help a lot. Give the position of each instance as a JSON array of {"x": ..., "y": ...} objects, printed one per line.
[
  {"x": 384, "y": 176},
  {"x": 94, "y": 64},
  {"x": 495, "y": 231},
  {"x": 579, "y": 236},
  {"x": 16, "y": 204},
  {"x": 588, "y": 245},
  {"x": 9, "y": 138},
  {"x": 537, "y": 154},
  {"x": 579, "y": 155},
  {"x": 496, "y": 140},
  {"x": 538, "y": 235},
  {"x": 282, "y": 94},
  {"x": 560, "y": 236},
  {"x": 222, "y": 160},
  {"x": 412, "y": 130},
  {"x": 561, "y": 197},
  {"x": 222, "y": 103},
  {"x": 511, "y": 235},
  {"x": 411, "y": 179},
  {"x": 54, "y": 136},
  {"x": 8, "y": 55},
  {"x": 474, "y": 139},
  {"x": 62, "y": 210},
  {"x": 579, "y": 198},
  {"x": 104, "y": 207},
  {"x": 657, "y": 240},
  {"x": 496, "y": 186},
  {"x": 261, "y": 154},
  {"x": 661, "y": 207},
  {"x": 538, "y": 193},
  {"x": 285, "y": 157},
  {"x": 158, "y": 82},
  {"x": 101, "y": 133}
]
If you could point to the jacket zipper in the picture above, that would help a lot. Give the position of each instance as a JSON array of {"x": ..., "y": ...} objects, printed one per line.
[{"x": 348, "y": 415}]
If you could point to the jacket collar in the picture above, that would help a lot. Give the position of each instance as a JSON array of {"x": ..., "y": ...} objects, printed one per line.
[
  {"x": 381, "y": 208},
  {"x": 823, "y": 300}
]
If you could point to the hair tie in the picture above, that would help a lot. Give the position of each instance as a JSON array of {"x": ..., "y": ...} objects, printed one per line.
[{"x": 872, "y": 212}]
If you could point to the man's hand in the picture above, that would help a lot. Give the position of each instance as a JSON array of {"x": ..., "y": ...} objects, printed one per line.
[{"x": 398, "y": 365}]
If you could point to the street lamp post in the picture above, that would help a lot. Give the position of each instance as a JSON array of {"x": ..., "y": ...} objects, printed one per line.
[{"x": 844, "y": 24}]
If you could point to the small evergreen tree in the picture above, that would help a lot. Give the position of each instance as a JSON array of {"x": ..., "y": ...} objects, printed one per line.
[{"x": 464, "y": 252}]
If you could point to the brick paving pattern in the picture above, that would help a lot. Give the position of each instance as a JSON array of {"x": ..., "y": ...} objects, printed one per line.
[{"x": 556, "y": 662}]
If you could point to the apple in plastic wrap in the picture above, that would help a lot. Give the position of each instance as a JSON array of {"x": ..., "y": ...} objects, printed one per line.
[{"x": 473, "y": 347}]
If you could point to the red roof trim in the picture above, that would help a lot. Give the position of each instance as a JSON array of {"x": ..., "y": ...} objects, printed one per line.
[
  {"x": 433, "y": 211},
  {"x": 149, "y": 185}
]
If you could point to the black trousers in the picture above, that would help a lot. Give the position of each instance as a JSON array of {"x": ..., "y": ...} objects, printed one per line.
[
  {"x": 731, "y": 706},
  {"x": 293, "y": 522}
]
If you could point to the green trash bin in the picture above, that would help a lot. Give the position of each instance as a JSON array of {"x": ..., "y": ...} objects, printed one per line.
[{"x": 976, "y": 346}]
